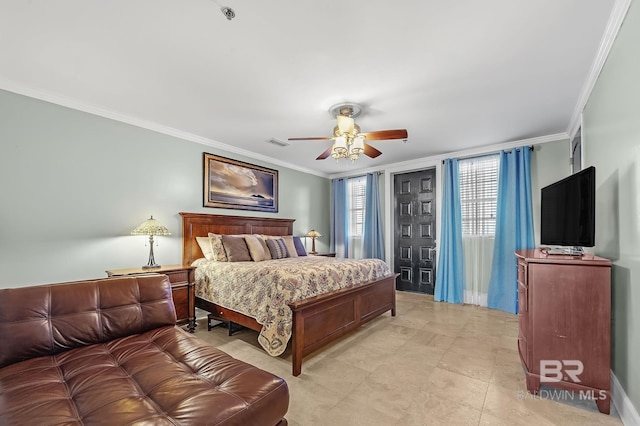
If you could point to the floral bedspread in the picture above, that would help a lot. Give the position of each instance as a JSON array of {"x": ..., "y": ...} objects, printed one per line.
[{"x": 262, "y": 290}]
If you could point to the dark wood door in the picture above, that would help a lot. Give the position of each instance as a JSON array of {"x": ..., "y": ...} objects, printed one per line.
[{"x": 415, "y": 231}]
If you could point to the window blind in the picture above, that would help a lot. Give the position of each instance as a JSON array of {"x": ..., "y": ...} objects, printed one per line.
[
  {"x": 356, "y": 193},
  {"x": 479, "y": 194}
]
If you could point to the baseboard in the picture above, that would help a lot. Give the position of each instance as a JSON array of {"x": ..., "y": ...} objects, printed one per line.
[{"x": 624, "y": 406}]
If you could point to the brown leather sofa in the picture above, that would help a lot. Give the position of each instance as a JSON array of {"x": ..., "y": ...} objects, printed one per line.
[{"x": 108, "y": 352}]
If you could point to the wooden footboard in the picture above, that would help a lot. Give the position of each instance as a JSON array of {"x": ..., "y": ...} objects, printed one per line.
[
  {"x": 317, "y": 320},
  {"x": 322, "y": 319}
]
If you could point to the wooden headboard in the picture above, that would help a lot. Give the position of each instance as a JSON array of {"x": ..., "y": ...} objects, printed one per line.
[{"x": 200, "y": 224}]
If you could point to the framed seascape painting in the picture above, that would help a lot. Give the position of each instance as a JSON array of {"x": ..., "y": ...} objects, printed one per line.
[{"x": 232, "y": 184}]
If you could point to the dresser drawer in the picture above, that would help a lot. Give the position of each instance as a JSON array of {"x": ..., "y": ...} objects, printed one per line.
[
  {"x": 522, "y": 273},
  {"x": 176, "y": 277},
  {"x": 523, "y": 298}
]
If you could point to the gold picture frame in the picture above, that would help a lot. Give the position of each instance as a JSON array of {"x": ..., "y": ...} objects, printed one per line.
[{"x": 233, "y": 184}]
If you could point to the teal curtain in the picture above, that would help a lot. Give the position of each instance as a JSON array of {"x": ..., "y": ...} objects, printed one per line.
[
  {"x": 450, "y": 278},
  {"x": 339, "y": 222},
  {"x": 514, "y": 227},
  {"x": 373, "y": 235}
]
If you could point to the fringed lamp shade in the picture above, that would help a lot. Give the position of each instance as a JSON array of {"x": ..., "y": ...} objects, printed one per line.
[{"x": 151, "y": 227}]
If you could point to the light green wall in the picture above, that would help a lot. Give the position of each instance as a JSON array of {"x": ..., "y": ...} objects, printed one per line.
[
  {"x": 549, "y": 163},
  {"x": 611, "y": 143},
  {"x": 74, "y": 185}
]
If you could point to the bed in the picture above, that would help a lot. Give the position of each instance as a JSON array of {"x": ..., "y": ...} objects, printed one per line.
[{"x": 316, "y": 320}]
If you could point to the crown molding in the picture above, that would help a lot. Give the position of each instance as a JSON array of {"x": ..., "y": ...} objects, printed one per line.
[
  {"x": 619, "y": 12},
  {"x": 424, "y": 162},
  {"x": 11, "y": 86},
  {"x": 58, "y": 99}
]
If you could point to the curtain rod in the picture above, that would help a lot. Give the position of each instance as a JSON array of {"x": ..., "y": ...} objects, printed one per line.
[
  {"x": 357, "y": 176},
  {"x": 531, "y": 148}
]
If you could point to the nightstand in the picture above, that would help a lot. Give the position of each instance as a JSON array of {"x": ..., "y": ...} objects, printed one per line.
[{"x": 182, "y": 280}]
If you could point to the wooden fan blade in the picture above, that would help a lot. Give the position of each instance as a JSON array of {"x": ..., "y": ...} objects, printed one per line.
[
  {"x": 371, "y": 151},
  {"x": 319, "y": 138},
  {"x": 386, "y": 135},
  {"x": 325, "y": 154}
]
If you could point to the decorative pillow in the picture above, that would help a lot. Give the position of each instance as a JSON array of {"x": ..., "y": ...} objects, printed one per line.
[
  {"x": 283, "y": 247},
  {"x": 291, "y": 247},
  {"x": 277, "y": 248},
  {"x": 263, "y": 243},
  {"x": 297, "y": 242},
  {"x": 217, "y": 249},
  {"x": 255, "y": 248},
  {"x": 236, "y": 248},
  {"x": 205, "y": 246}
]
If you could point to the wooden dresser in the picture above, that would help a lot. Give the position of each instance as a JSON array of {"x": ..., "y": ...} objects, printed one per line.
[
  {"x": 182, "y": 282},
  {"x": 564, "y": 312}
]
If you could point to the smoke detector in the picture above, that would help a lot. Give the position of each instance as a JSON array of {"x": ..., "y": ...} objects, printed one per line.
[{"x": 228, "y": 12}]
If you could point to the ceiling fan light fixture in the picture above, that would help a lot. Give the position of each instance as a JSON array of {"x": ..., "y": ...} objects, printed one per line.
[
  {"x": 345, "y": 124},
  {"x": 348, "y": 142},
  {"x": 340, "y": 146},
  {"x": 357, "y": 147}
]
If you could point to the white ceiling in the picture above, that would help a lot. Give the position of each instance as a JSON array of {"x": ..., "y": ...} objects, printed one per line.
[{"x": 456, "y": 74}]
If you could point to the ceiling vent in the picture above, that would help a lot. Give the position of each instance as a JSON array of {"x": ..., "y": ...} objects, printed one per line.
[{"x": 278, "y": 142}]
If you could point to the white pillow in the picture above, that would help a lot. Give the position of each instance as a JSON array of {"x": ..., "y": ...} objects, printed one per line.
[{"x": 205, "y": 246}]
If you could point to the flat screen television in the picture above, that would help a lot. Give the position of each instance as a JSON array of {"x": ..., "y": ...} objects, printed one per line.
[{"x": 569, "y": 210}]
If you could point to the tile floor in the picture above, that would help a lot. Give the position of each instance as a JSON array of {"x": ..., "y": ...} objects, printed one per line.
[{"x": 434, "y": 363}]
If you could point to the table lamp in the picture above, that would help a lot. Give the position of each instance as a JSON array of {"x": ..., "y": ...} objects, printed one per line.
[
  {"x": 150, "y": 227},
  {"x": 313, "y": 234}
]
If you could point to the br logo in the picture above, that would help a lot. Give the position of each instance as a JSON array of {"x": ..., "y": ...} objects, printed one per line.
[{"x": 553, "y": 370}]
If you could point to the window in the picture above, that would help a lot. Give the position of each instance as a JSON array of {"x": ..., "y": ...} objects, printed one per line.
[
  {"x": 356, "y": 189},
  {"x": 479, "y": 194},
  {"x": 356, "y": 193}
]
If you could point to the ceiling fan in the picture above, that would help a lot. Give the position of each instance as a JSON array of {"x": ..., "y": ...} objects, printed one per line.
[{"x": 349, "y": 142}]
